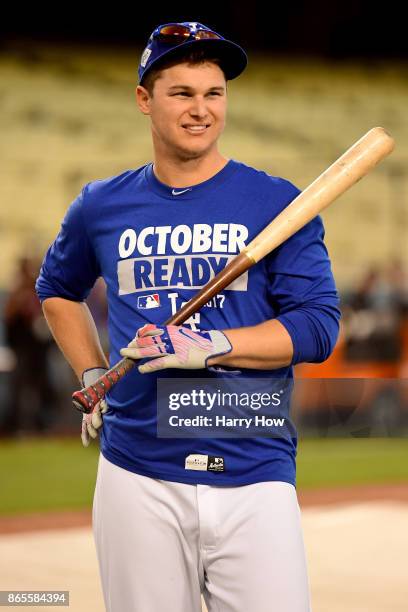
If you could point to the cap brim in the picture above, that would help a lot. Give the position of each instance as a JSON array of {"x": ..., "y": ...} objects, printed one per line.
[{"x": 233, "y": 58}]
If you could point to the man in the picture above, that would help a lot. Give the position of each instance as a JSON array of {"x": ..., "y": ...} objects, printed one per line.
[{"x": 167, "y": 525}]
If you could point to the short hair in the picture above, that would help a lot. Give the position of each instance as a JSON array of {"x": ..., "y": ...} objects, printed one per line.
[{"x": 193, "y": 57}]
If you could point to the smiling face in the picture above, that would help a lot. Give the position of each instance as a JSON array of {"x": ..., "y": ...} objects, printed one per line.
[{"x": 187, "y": 108}]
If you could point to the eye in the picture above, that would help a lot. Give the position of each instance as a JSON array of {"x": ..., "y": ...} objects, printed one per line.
[{"x": 181, "y": 93}]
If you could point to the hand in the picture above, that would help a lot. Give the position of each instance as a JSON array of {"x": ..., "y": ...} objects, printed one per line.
[
  {"x": 175, "y": 346},
  {"x": 92, "y": 421}
]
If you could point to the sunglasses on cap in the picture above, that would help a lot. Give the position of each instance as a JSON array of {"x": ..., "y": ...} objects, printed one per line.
[
  {"x": 166, "y": 39},
  {"x": 176, "y": 33}
]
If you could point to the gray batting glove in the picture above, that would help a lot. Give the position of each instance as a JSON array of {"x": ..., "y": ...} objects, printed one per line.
[{"x": 92, "y": 421}]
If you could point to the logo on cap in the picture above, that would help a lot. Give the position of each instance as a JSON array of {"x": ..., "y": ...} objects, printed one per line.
[{"x": 145, "y": 57}]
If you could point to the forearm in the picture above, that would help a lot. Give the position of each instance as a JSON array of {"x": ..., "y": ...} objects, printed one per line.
[
  {"x": 266, "y": 346},
  {"x": 74, "y": 331}
]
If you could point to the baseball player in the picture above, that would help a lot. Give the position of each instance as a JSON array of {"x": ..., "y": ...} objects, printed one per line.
[{"x": 177, "y": 517}]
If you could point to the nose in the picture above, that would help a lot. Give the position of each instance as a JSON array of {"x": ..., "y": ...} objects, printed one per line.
[{"x": 198, "y": 108}]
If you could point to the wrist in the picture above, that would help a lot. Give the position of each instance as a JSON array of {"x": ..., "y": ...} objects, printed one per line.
[
  {"x": 90, "y": 375},
  {"x": 222, "y": 349}
]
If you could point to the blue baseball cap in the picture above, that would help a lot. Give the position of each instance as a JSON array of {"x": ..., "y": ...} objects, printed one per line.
[{"x": 168, "y": 39}]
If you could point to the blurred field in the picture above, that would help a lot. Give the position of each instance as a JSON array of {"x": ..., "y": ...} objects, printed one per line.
[
  {"x": 59, "y": 474},
  {"x": 68, "y": 116},
  {"x": 324, "y": 462},
  {"x": 49, "y": 474}
]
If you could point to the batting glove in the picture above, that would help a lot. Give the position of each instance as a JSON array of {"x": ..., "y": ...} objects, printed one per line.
[
  {"x": 175, "y": 346},
  {"x": 92, "y": 421}
]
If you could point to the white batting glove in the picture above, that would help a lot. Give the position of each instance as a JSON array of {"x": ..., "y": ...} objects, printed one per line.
[
  {"x": 175, "y": 346},
  {"x": 92, "y": 421}
]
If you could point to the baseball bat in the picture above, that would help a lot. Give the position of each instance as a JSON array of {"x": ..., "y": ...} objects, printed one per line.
[{"x": 356, "y": 162}]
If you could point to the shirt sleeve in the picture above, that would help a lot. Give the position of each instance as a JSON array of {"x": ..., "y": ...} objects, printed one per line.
[
  {"x": 302, "y": 290},
  {"x": 70, "y": 267}
]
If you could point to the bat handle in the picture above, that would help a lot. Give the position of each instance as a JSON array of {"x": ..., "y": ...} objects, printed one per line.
[{"x": 86, "y": 399}]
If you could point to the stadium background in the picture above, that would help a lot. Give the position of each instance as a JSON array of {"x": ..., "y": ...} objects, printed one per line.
[{"x": 320, "y": 75}]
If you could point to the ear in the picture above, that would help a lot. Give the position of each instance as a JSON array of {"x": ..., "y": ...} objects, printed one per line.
[{"x": 143, "y": 99}]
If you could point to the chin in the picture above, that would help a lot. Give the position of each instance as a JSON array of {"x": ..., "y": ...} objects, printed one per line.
[{"x": 192, "y": 152}]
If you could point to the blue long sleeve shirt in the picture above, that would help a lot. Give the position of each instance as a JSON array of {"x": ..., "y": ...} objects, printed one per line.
[{"x": 156, "y": 246}]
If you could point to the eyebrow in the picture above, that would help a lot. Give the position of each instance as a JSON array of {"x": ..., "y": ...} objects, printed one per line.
[{"x": 188, "y": 88}]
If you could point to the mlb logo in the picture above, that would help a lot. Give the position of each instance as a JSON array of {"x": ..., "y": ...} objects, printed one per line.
[
  {"x": 148, "y": 301},
  {"x": 216, "y": 464}
]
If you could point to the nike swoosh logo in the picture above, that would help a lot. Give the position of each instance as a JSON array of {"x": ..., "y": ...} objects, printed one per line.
[{"x": 174, "y": 192}]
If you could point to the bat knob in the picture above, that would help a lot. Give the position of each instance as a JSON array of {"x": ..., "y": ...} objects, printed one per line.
[{"x": 80, "y": 406}]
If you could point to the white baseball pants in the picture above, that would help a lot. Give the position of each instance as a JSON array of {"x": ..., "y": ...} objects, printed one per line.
[{"x": 160, "y": 544}]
